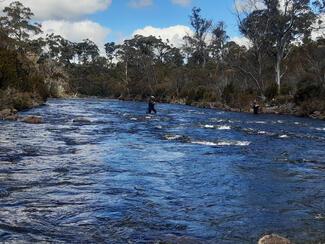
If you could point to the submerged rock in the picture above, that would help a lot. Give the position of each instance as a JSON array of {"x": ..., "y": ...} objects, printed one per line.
[
  {"x": 31, "y": 119},
  {"x": 12, "y": 117},
  {"x": 172, "y": 239},
  {"x": 81, "y": 120},
  {"x": 274, "y": 239}
]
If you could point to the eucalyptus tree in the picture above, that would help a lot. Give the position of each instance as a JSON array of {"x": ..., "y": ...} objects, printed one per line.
[
  {"x": 87, "y": 51},
  {"x": 16, "y": 23},
  {"x": 320, "y": 4},
  {"x": 60, "y": 49},
  {"x": 53, "y": 46},
  {"x": 290, "y": 21},
  {"x": 218, "y": 40},
  {"x": 196, "y": 44},
  {"x": 124, "y": 53},
  {"x": 275, "y": 26},
  {"x": 256, "y": 27},
  {"x": 110, "y": 49},
  {"x": 309, "y": 58}
]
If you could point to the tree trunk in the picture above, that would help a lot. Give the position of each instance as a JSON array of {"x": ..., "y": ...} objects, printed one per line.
[
  {"x": 126, "y": 72},
  {"x": 278, "y": 73},
  {"x": 126, "y": 79},
  {"x": 260, "y": 74}
]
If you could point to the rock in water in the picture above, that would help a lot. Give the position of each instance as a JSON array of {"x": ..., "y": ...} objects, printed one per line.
[
  {"x": 179, "y": 240},
  {"x": 274, "y": 239},
  {"x": 81, "y": 120},
  {"x": 12, "y": 117},
  {"x": 8, "y": 114},
  {"x": 32, "y": 119}
]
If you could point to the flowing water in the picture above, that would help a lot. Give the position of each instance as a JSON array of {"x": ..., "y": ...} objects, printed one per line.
[{"x": 186, "y": 174}]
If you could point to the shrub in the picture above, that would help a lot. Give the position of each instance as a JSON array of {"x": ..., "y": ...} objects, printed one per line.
[
  {"x": 228, "y": 93},
  {"x": 286, "y": 89},
  {"x": 308, "y": 107},
  {"x": 271, "y": 91},
  {"x": 307, "y": 90}
]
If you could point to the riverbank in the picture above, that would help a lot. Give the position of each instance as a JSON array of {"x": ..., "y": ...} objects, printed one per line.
[
  {"x": 274, "y": 107},
  {"x": 12, "y": 101},
  {"x": 284, "y": 109}
]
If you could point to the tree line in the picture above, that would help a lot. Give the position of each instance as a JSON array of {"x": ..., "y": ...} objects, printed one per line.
[{"x": 283, "y": 64}]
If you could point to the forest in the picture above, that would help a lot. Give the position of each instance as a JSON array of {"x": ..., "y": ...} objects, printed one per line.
[{"x": 283, "y": 68}]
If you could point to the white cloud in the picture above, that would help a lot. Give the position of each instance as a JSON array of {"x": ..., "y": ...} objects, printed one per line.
[
  {"x": 62, "y": 9},
  {"x": 247, "y": 6},
  {"x": 319, "y": 27},
  {"x": 140, "y": 3},
  {"x": 183, "y": 3},
  {"x": 241, "y": 41},
  {"x": 77, "y": 31},
  {"x": 174, "y": 34}
]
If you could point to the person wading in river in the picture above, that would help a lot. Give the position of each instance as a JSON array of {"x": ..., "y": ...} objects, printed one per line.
[
  {"x": 151, "y": 105},
  {"x": 255, "y": 107}
]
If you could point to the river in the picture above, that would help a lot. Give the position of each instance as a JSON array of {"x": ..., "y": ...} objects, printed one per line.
[{"x": 121, "y": 176}]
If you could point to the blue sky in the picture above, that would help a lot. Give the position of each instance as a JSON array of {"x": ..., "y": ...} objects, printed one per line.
[
  {"x": 116, "y": 20},
  {"x": 123, "y": 20}
]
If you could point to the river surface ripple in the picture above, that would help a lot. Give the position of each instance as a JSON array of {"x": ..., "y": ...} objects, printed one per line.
[{"x": 185, "y": 174}]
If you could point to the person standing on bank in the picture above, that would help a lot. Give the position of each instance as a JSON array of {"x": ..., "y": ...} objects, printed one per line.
[{"x": 151, "y": 105}]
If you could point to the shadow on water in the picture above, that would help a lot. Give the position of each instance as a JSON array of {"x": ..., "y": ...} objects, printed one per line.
[{"x": 190, "y": 175}]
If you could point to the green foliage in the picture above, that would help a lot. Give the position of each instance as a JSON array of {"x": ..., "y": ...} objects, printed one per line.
[
  {"x": 271, "y": 91},
  {"x": 8, "y": 69},
  {"x": 310, "y": 106},
  {"x": 287, "y": 89},
  {"x": 309, "y": 90},
  {"x": 207, "y": 69},
  {"x": 228, "y": 93},
  {"x": 16, "y": 23},
  {"x": 19, "y": 74}
]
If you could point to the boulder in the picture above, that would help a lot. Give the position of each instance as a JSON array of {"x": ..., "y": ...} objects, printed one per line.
[
  {"x": 5, "y": 113},
  {"x": 12, "y": 117},
  {"x": 274, "y": 239},
  {"x": 31, "y": 119},
  {"x": 8, "y": 114}
]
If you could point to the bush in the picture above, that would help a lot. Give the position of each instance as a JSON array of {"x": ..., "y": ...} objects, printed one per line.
[
  {"x": 271, "y": 91},
  {"x": 308, "y": 107},
  {"x": 308, "y": 90},
  {"x": 22, "y": 101},
  {"x": 286, "y": 89},
  {"x": 283, "y": 99},
  {"x": 8, "y": 69},
  {"x": 228, "y": 93}
]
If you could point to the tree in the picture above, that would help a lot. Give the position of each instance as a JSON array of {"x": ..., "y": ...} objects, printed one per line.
[
  {"x": 289, "y": 22},
  {"x": 60, "y": 49},
  {"x": 87, "y": 51},
  {"x": 320, "y": 4},
  {"x": 110, "y": 48},
  {"x": 255, "y": 27},
  {"x": 218, "y": 41},
  {"x": 17, "y": 24},
  {"x": 196, "y": 44}
]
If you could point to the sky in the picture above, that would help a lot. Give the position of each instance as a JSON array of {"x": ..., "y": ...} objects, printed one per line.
[
  {"x": 116, "y": 20},
  {"x": 105, "y": 21}
]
